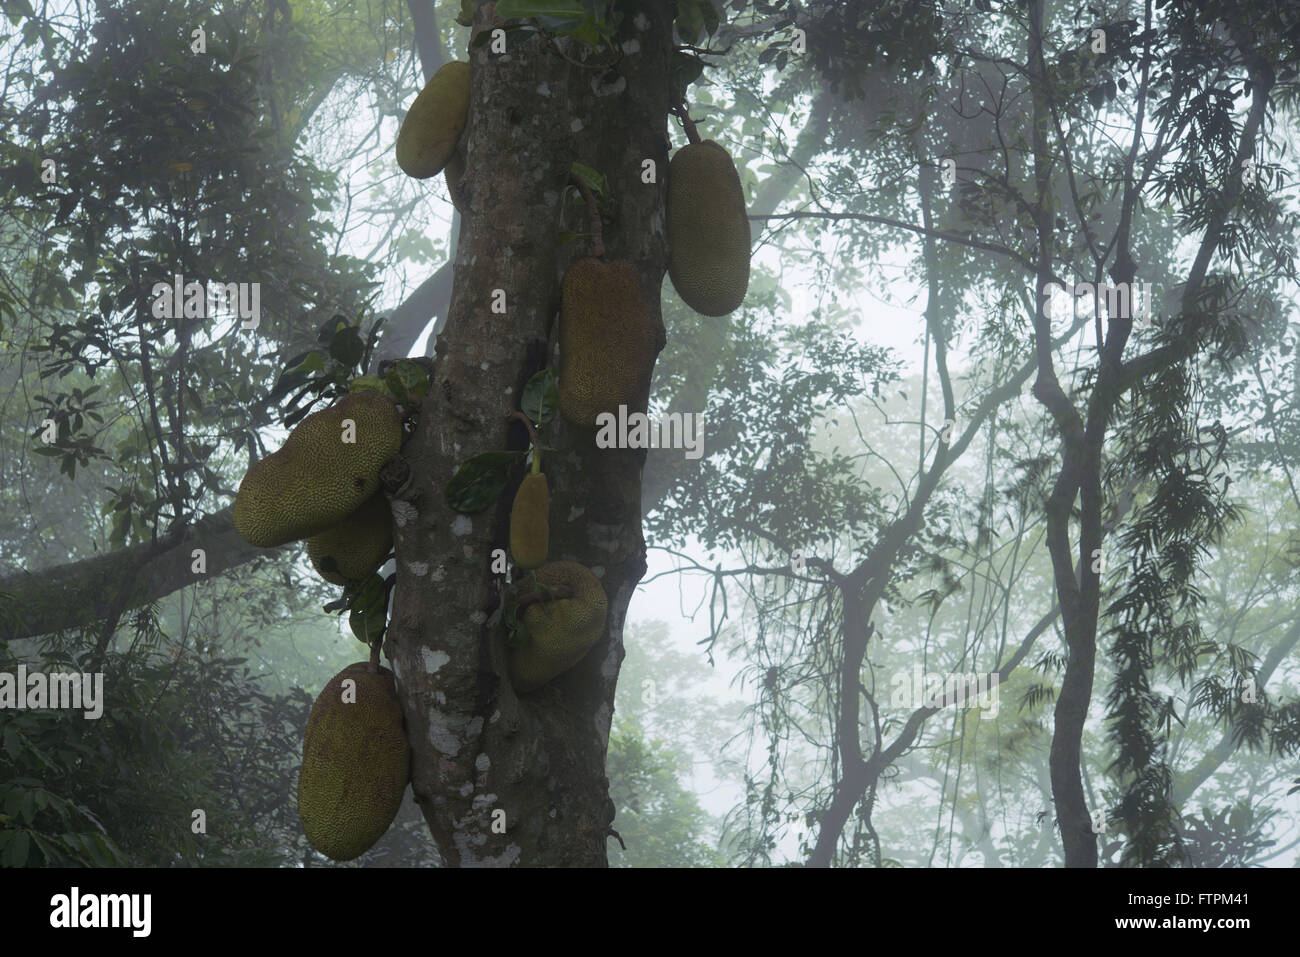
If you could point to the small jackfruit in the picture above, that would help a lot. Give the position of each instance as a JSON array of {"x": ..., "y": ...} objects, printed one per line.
[
  {"x": 708, "y": 229},
  {"x": 607, "y": 341},
  {"x": 529, "y": 524},
  {"x": 348, "y": 552},
  {"x": 560, "y": 631},
  {"x": 322, "y": 474},
  {"x": 434, "y": 122},
  {"x": 355, "y": 763}
]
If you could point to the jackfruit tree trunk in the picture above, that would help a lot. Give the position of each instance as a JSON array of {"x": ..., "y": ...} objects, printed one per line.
[{"x": 502, "y": 779}]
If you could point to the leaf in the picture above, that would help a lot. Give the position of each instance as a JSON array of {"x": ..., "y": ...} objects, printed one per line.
[
  {"x": 370, "y": 383},
  {"x": 594, "y": 180},
  {"x": 466, "y": 16},
  {"x": 541, "y": 396},
  {"x": 346, "y": 347},
  {"x": 685, "y": 69},
  {"x": 407, "y": 380},
  {"x": 15, "y": 852},
  {"x": 369, "y": 614},
  {"x": 479, "y": 481},
  {"x": 330, "y": 328},
  {"x": 690, "y": 19}
]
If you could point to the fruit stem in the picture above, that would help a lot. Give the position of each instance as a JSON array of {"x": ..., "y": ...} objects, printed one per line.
[
  {"x": 532, "y": 434},
  {"x": 692, "y": 133},
  {"x": 374, "y": 658},
  {"x": 597, "y": 231}
]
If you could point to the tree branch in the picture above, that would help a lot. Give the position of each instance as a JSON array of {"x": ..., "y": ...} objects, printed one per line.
[{"x": 89, "y": 590}]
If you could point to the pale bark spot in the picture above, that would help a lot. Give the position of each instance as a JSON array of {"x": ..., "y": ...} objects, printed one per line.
[
  {"x": 462, "y": 525},
  {"x": 433, "y": 660},
  {"x": 403, "y": 512},
  {"x": 418, "y": 569},
  {"x": 441, "y": 736}
]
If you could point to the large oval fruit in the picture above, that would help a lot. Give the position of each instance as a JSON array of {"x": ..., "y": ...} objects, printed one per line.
[
  {"x": 434, "y": 122},
  {"x": 322, "y": 474},
  {"x": 607, "y": 341},
  {"x": 559, "y": 632},
  {"x": 355, "y": 763},
  {"x": 708, "y": 229},
  {"x": 348, "y": 552}
]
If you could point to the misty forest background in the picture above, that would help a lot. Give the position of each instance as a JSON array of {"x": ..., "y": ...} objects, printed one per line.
[{"x": 753, "y": 724}]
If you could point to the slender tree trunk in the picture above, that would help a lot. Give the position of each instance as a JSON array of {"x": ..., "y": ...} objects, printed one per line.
[{"x": 505, "y": 780}]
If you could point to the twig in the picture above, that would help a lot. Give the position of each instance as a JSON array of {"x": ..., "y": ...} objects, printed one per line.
[
  {"x": 692, "y": 134},
  {"x": 528, "y": 424}
]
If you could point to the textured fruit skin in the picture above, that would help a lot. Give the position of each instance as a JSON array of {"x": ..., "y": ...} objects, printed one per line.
[
  {"x": 357, "y": 545},
  {"x": 434, "y": 122},
  {"x": 355, "y": 764},
  {"x": 315, "y": 480},
  {"x": 560, "y": 631},
  {"x": 529, "y": 525},
  {"x": 607, "y": 341},
  {"x": 708, "y": 232}
]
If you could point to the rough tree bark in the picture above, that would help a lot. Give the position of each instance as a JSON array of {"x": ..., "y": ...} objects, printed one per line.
[{"x": 477, "y": 748}]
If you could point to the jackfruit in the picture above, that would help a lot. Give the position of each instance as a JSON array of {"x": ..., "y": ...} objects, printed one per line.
[
  {"x": 529, "y": 525},
  {"x": 355, "y": 763},
  {"x": 607, "y": 341},
  {"x": 559, "y": 631},
  {"x": 708, "y": 229},
  {"x": 317, "y": 479},
  {"x": 434, "y": 122},
  {"x": 348, "y": 552}
]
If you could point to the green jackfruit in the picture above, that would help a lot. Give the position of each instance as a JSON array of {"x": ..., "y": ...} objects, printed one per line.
[
  {"x": 559, "y": 631},
  {"x": 708, "y": 229},
  {"x": 355, "y": 763},
  {"x": 434, "y": 122},
  {"x": 607, "y": 341},
  {"x": 349, "y": 551},
  {"x": 317, "y": 479},
  {"x": 529, "y": 523}
]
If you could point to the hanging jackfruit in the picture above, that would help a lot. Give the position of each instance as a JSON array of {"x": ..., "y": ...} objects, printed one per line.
[
  {"x": 322, "y": 474},
  {"x": 348, "y": 552},
  {"x": 529, "y": 522},
  {"x": 607, "y": 341},
  {"x": 558, "y": 632},
  {"x": 355, "y": 763},
  {"x": 434, "y": 122},
  {"x": 708, "y": 229}
]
